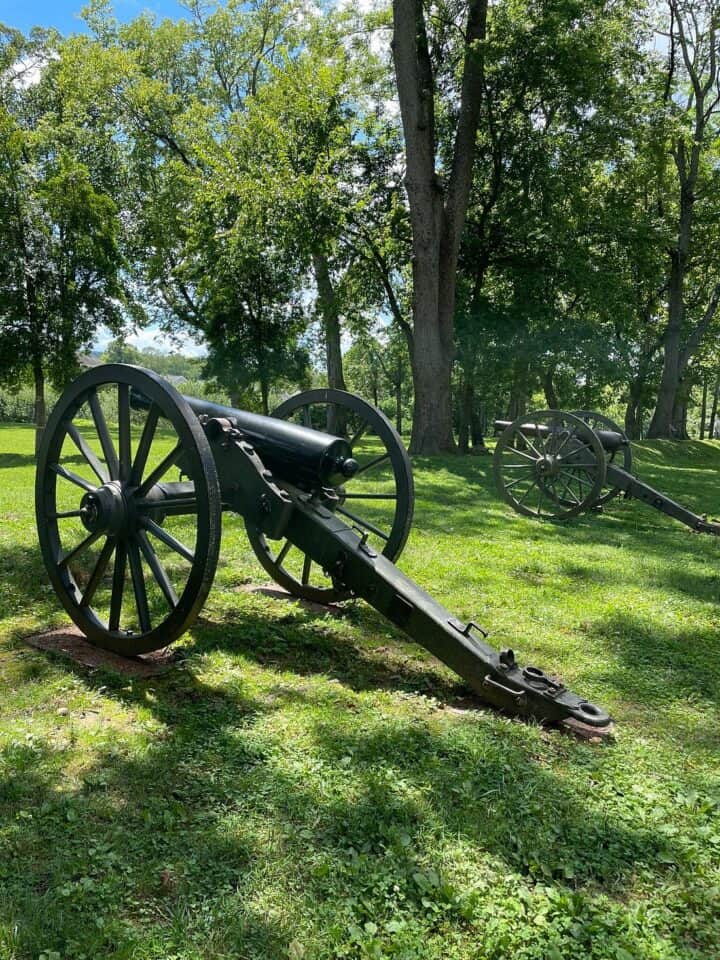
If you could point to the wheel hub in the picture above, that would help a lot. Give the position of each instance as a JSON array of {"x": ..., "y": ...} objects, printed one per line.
[
  {"x": 106, "y": 509},
  {"x": 549, "y": 466}
]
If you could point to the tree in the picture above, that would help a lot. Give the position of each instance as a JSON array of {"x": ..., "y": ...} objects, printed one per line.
[
  {"x": 533, "y": 298},
  {"x": 253, "y": 323},
  {"x": 438, "y": 202},
  {"x": 60, "y": 260},
  {"x": 311, "y": 129},
  {"x": 691, "y": 98}
]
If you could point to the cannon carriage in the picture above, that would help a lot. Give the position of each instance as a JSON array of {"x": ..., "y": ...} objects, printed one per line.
[
  {"x": 553, "y": 465},
  {"x": 133, "y": 478}
]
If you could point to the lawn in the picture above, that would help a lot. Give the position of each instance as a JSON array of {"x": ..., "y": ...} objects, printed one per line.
[{"x": 307, "y": 785}]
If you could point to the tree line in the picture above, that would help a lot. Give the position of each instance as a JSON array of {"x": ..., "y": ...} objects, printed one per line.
[{"x": 471, "y": 203}]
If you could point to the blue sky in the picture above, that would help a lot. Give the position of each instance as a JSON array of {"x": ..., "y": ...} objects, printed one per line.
[{"x": 64, "y": 14}]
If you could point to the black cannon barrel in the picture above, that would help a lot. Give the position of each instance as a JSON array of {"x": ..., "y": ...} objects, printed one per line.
[
  {"x": 609, "y": 439},
  {"x": 300, "y": 455}
]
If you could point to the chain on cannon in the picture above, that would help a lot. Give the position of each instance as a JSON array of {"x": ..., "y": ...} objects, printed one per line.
[
  {"x": 554, "y": 465},
  {"x": 132, "y": 553}
]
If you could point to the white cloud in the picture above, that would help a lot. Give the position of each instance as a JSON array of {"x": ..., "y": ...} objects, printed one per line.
[{"x": 26, "y": 71}]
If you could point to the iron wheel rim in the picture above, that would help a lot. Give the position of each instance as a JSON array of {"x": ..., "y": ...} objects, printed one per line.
[{"x": 598, "y": 420}]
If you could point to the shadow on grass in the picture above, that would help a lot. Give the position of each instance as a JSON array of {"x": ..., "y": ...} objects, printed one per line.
[
  {"x": 305, "y": 644},
  {"x": 221, "y": 815},
  {"x": 217, "y": 832},
  {"x": 687, "y": 472},
  {"x": 8, "y": 460},
  {"x": 660, "y": 665}
]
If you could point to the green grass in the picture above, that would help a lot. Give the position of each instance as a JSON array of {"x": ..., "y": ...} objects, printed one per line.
[{"x": 301, "y": 785}]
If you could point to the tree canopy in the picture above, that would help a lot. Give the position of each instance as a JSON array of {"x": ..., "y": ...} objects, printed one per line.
[{"x": 489, "y": 206}]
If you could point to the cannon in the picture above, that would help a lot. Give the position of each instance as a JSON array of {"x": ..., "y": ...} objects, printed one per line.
[
  {"x": 553, "y": 466},
  {"x": 133, "y": 478}
]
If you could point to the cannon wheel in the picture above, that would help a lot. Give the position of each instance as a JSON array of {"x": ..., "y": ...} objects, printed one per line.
[
  {"x": 598, "y": 421},
  {"x": 554, "y": 471},
  {"x": 99, "y": 517},
  {"x": 385, "y": 475}
]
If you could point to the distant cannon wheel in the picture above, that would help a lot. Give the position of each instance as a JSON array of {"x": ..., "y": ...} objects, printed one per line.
[
  {"x": 378, "y": 501},
  {"x": 550, "y": 465},
  {"x": 130, "y": 552},
  {"x": 597, "y": 421}
]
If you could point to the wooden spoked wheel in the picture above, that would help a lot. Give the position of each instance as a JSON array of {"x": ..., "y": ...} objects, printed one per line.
[
  {"x": 549, "y": 465},
  {"x": 378, "y": 501},
  {"x": 598, "y": 421},
  {"x": 130, "y": 551}
]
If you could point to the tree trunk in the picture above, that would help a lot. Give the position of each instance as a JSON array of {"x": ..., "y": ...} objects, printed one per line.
[
  {"x": 327, "y": 303},
  {"x": 467, "y": 402},
  {"x": 713, "y": 411},
  {"x": 477, "y": 429},
  {"x": 518, "y": 391},
  {"x": 703, "y": 407},
  {"x": 437, "y": 209},
  {"x": 551, "y": 397},
  {"x": 264, "y": 396},
  {"x": 661, "y": 424},
  {"x": 679, "y": 419},
  {"x": 40, "y": 410},
  {"x": 432, "y": 431},
  {"x": 633, "y": 418},
  {"x": 634, "y": 409}
]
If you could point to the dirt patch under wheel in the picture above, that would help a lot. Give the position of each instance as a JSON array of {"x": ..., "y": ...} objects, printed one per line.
[{"x": 70, "y": 643}]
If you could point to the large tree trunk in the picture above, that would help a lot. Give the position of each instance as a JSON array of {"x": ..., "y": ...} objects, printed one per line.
[
  {"x": 679, "y": 420},
  {"x": 327, "y": 303},
  {"x": 432, "y": 431},
  {"x": 673, "y": 384},
  {"x": 40, "y": 409},
  {"x": 437, "y": 209},
  {"x": 661, "y": 424}
]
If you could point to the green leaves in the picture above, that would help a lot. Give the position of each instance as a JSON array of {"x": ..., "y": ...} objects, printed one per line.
[{"x": 61, "y": 265}]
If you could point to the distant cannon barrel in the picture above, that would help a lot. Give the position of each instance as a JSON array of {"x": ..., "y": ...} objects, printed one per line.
[
  {"x": 610, "y": 439},
  {"x": 301, "y": 455}
]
